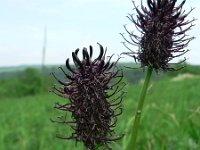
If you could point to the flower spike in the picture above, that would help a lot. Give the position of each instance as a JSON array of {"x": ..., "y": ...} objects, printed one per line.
[
  {"x": 94, "y": 111},
  {"x": 163, "y": 28}
]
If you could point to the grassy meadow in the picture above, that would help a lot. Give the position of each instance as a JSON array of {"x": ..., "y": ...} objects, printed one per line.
[{"x": 170, "y": 119}]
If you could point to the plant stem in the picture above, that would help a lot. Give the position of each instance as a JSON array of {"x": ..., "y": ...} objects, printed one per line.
[{"x": 132, "y": 142}]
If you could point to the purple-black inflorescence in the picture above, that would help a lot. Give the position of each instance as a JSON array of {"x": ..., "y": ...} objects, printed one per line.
[
  {"x": 93, "y": 108},
  {"x": 163, "y": 28}
]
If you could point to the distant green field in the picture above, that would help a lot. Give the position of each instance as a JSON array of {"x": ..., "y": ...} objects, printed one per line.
[
  {"x": 171, "y": 119},
  {"x": 11, "y": 69}
]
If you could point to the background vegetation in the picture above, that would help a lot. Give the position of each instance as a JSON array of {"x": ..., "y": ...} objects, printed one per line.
[{"x": 171, "y": 118}]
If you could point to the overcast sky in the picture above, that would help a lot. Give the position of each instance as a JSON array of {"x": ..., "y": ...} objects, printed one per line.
[{"x": 70, "y": 24}]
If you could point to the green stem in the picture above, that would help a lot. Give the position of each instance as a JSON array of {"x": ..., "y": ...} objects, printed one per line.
[{"x": 132, "y": 142}]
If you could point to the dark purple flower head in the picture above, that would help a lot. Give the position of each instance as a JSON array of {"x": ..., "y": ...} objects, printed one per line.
[
  {"x": 93, "y": 108},
  {"x": 163, "y": 28}
]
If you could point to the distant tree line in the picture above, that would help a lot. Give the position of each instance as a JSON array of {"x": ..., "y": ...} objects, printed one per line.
[{"x": 31, "y": 81}]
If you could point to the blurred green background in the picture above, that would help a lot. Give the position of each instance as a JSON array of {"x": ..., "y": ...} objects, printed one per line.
[{"x": 170, "y": 121}]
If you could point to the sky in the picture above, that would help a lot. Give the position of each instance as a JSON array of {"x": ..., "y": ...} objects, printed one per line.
[{"x": 71, "y": 24}]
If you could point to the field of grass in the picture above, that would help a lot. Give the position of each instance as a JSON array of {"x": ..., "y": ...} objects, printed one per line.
[{"x": 171, "y": 119}]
